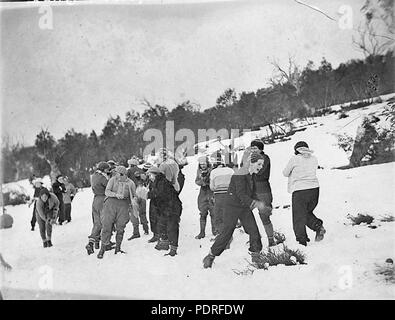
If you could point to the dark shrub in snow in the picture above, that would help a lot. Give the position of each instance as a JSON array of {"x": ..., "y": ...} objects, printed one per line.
[{"x": 360, "y": 218}]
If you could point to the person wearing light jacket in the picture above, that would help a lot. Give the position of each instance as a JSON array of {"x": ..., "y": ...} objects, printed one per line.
[
  {"x": 47, "y": 209},
  {"x": 219, "y": 182},
  {"x": 120, "y": 195},
  {"x": 304, "y": 187},
  {"x": 134, "y": 173}
]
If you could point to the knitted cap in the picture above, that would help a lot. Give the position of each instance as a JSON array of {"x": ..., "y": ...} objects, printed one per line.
[
  {"x": 121, "y": 170},
  {"x": 102, "y": 166},
  {"x": 133, "y": 162},
  {"x": 257, "y": 143},
  {"x": 254, "y": 157},
  {"x": 300, "y": 144}
]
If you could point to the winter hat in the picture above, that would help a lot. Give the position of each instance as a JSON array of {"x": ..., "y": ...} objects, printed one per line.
[
  {"x": 121, "y": 170},
  {"x": 257, "y": 143},
  {"x": 133, "y": 162},
  {"x": 38, "y": 180},
  {"x": 302, "y": 147},
  {"x": 203, "y": 159},
  {"x": 146, "y": 166},
  {"x": 112, "y": 163},
  {"x": 154, "y": 169},
  {"x": 103, "y": 166},
  {"x": 44, "y": 191},
  {"x": 254, "y": 157}
]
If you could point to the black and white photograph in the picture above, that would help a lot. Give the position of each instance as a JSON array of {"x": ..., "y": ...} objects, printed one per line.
[{"x": 205, "y": 150}]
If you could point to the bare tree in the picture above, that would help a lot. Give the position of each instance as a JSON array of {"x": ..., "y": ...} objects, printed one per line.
[{"x": 376, "y": 32}]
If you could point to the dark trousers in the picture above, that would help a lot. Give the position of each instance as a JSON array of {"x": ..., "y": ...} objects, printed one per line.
[
  {"x": 265, "y": 214},
  {"x": 34, "y": 220},
  {"x": 45, "y": 228},
  {"x": 219, "y": 211},
  {"x": 142, "y": 214},
  {"x": 153, "y": 217},
  {"x": 61, "y": 216},
  {"x": 169, "y": 228},
  {"x": 231, "y": 216},
  {"x": 303, "y": 204},
  {"x": 205, "y": 203},
  {"x": 67, "y": 211}
]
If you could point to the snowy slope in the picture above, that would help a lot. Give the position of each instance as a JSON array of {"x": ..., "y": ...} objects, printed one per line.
[{"x": 340, "y": 267}]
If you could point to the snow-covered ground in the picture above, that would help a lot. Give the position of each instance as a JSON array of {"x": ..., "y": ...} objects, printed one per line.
[{"x": 342, "y": 266}]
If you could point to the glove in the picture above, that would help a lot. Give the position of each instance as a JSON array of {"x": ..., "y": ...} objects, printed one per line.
[{"x": 71, "y": 198}]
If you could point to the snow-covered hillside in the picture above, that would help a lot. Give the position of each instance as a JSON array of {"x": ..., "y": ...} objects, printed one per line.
[{"x": 342, "y": 266}]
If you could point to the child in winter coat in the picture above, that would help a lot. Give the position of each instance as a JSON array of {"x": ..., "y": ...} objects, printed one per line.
[
  {"x": 169, "y": 208},
  {"x": 47, "y": 209},
  {"x": 304, "y": 187}
]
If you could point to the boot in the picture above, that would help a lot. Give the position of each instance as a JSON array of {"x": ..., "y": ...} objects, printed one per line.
[
  {"x": 49, "y": 243},
  {"x": 136, "y": 233},
  {"x": 154, "y": 238},
  {"x": 97, "y": 245},
  {"x": 45, "y": 244},
  {"x": 208, "y": 261},
  {"x": 320, "y": 234},
  {"x": 162, "y": 245},
  {"x": 272, "y": 242},
  {"x": 89, "y": 248},
  {"x": 173, "y": 251},
  {"x": 118, "y": 249},
  {"x": 109, "y": 246},
  {"x": 145, "y": 228},
  {"x": 202, "y": 233},
  {"x": 101, "y": 252}
]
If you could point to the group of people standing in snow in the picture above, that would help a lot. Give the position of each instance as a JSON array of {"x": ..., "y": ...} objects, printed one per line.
[
  {"x": 120, "y": 196},
  {"x": 248, "y": 188},
  {"x": 226, "y": 194},
  {"x": 51, "y": 207}
]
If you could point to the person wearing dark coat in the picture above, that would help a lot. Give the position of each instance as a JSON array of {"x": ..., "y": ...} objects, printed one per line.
[
  {"x": 205, "y": 197},
  {"x": 99, "y": 182},
  {"x": 58, "y": 189},
  {"x": 47, "y": 209},
  {"x": 239, "y": 205},
  {"x": 38, "y": 185},
  {"x": 263, "y": 189},
  {"x": 169, "y": 208}
]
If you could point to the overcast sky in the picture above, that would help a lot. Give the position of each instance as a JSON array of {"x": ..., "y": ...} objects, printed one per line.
[{"x": 101, "y": 60}]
